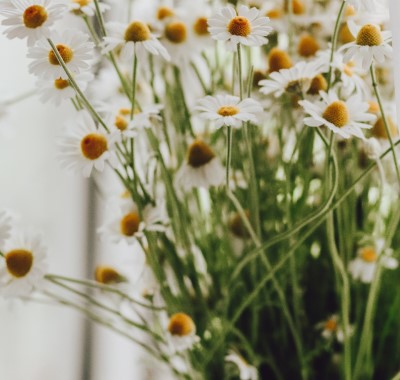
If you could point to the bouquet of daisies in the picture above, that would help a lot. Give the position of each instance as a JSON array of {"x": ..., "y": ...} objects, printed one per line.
[{"x": 246, "y": 153}]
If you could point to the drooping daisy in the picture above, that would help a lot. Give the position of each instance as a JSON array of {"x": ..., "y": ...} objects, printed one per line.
[
  {"x": 346, "y": 118},
  {"x": 133, "y": 38},
  {"x": 181, "y": 331},
  {"x": 86, "y": 7},
  {"x": 31, "y": 19},
  {"x": 24, "y": 266},
  {"x": 74, "y": 47},
  {"x": 364, "y": 266},
  {"x": 229, "y": 110},
  {"x": 5, "y": 227},
  {"x": 246, "y": 371},
  {"x": 371, "y": 45},
  {"x": 108, "y": 275},
  {"x": 246, "y": 26},
  {"x": 86, "y": 147},
  {"x": 201, "y": 169}
]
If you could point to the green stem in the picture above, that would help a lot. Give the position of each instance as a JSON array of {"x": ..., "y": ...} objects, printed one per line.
[{"x": 134, "y": 75}]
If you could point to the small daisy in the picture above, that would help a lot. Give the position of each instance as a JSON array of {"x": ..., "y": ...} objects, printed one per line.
[
  {"x": 331, "y": 329},
  {"x": 58, "y": 90},
  {"x": 364, "y": 266},
  {"x": 201, "y": 169},
  {"x": 246, "y": 27},
  {"x": 145, "y": 118},
  {"x": 31, "y": 19},
  {"x": 85, "y": 147},
  {"x": 229, "y": 110},
  {"x": 107, "y": 275},
  {"x": 346, "y": 118},
  {"x": 133, "y": 38},
  {"x": 371, "y": 45},
  {"x": 246, "y": 371},
  {"x": 86, "y": 7},
  {"x": 74, "y": 47},
  {"x": 24, "y": 266},
  {"x": 5, "y": 227},
  {"x": 181, "y": 332}
]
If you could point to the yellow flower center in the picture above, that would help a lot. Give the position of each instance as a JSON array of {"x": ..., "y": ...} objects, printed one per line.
[
  {"x": 337, "y": 113},
  {"x": 176, "y": 32},
  {"x": 274, "y": 14},
  {"x": 298, "y": 7},
  {"x": 164, "y": 12},
  {"x": 107, "y": 275},
  {"x": 180, "y": 324},
  {"x": 228, "y": 111},
  {"x": 237, "y": 226},
  {"x": 258, "y": 75},
  {"x": 34, "y": 16},
  {"x": 331, "y": 325},
  {"x": 368, "y": 254},
  {"x": 239, "y": 26},
  {"x": 129, "y": 224},
  {"x": 82, "y": 3},
  {"x": 137, "y": 31},
  {"x": 373, "y": 107},
  {"x": 369, "y": 35},
  {"x": 93, "y": 146},
  {"x": 199, "y": 154},
  {"x": 66, "y": 54},
  {"x": 61, "y": 84},
  {"x": 19, "y": 262},
  {"x": 125, "y": 111},
  {"x": 278, "y": 59},
  {"x": 348, "y": 68},
  {"x": 379, "y": 130},
  {"x": 200, "y": 26},
  {"x": 318, "y": 84},
  {"x": 345, "y": 36},
  {"x": 307, "y": 46},
  {"x": 121, "y": 123},
  {"x": 350, "y": 11}
]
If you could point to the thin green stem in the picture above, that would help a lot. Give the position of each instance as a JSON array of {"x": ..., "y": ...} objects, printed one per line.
[{"x": 134, "y": 76}]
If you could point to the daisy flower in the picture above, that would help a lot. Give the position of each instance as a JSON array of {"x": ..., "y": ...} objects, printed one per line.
[
  {"x": 86, "y": 7},
  {"x": 24, "y": 266},
  {"x": 346, "y": 118},
  {"x": 229, "y": 110},
  {"x": 364, "y": 266},
  {"x": 145, "y": 118},
  {"x": 86, "y": 147},
  {"x": 181, "y": 331},
  {"x": 133, "y": 38},
  {"x": 107, "y": 275},
  {"x": 5, "y": 227},
  {"x": 367, "y": 5},
  {"x": 201, "y": 169},
  {"x": 74, "y": 47},
  {"x": 331, "y": 329},
  {"x": 246, "y": 27},
  {"x": 31, "y": 19},
  {"x": 246, "y": 371},
  {"x": 371, "y": 45}
]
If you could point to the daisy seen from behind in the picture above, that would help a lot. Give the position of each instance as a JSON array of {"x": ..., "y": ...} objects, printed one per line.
[
  {"x": 345, "y": 117},
  {"x": 245, "y": 26}
]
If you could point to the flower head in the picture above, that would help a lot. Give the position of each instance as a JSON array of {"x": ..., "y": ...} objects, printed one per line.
[
  {"x": 86, "y": 7},
  {"x": 246, "y": 371},
  {"x": 182, "y": 332}
]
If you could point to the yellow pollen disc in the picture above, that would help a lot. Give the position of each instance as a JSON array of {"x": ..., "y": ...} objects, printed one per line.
[
  {"x": 331, "y": 325},
  {"x": 180, "y": 324},
  {"x": 124, "y": 111},
  {"x": 307, "y": 46},
  {"x": 66, "y": 54},
  {"x": 93, "y": 146},
  {"x": 19, "y": 262},
  {"x": 228, "y": 111},
  {"x": 121, "y": 123},
  {"x": 137, "y": 31},
  {"x": 61, "y": 84},
  {"x": 318, "y": 84},
  {"x": 298, "y": 7},
  {"x": 176, "y": 32},
  {"x": 345, "y": 36},
  {"x": 200, "y": 26},
  {"x": 257, "y": 76},
  {"x": 369, "y": 35},
  {"x": 164, "y": 12},
  {"x": 373, "y": 107},
  {"x": 337, "y": 113},
  {"x": 107, "y": 275},
  {"x": 239, "y": 26},
  {"x": 348, "y": 68},
  {"x": 237, "y": 227},
  {"x": 34, "y": 16},
  {"x": 125, "y": 195},
  {"x": 129, "y": 224},
  {"x": 379, "y": 130},
  {"x": 278, "y": 59},
  {"x": 368, "y": 254},
  {"x": 199, "y": 154},
  {"x": 350, "y": 11},
  {"x": 274, "y": 14},
  {"x": 82, "y": 3}
]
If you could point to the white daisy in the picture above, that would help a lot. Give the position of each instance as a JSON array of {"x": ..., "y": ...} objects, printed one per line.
[
  {"x": 181, "y": 332},
  {"x": 202, "y": 168},
  {"x": 86, "y": 7},
  {"x": 5, "y": 227},
  {"x": 31, "y": 19},
  {"x": 24, "y": 266},
  {"x": 86, "y": 147},
  {"x": 108, "y": 275},
  {"x": 346, "y": 118},
  {"x": 229, "y": 110},
  {"x": 145, "y": 118},
  {"x": 246, "y": 371},
  {"x": 73, "y": 46},
  {"x": 367, "y": 5},
  {"x": 133, "y": 38},
  {"x": 331, "y": 329},
  {"x": 364, "y": 266},
  {"x": 246, "y": 27},
  {"x": 58, "y": 90},
  {"x": 371, "y": 45}
]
